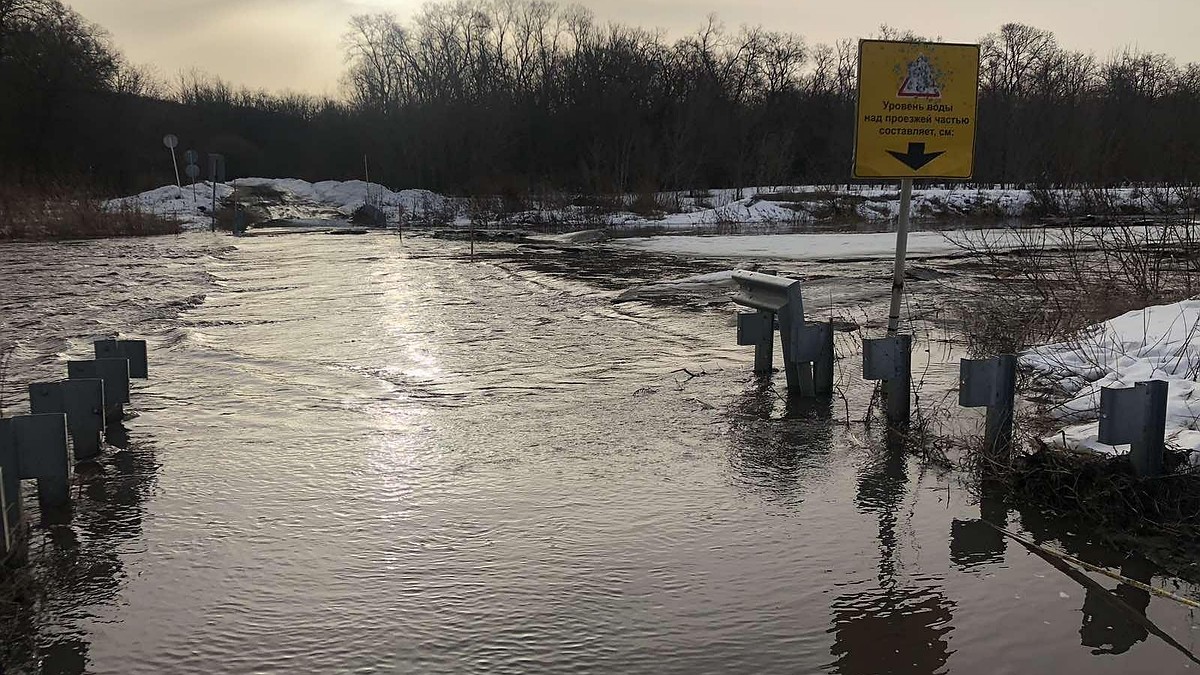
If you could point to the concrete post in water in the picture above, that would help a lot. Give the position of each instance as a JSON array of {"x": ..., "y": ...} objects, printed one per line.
[
  {"x": 991, "y": 383},
  {"x": 82, "y": 401},
  {"x": 115, "y": 373},
  {"x": 890, "y": 359},
  {"x": 37, "y": 444},
  {"x": 132, "y": 350},
  {"x": 1137, "y": 416}
]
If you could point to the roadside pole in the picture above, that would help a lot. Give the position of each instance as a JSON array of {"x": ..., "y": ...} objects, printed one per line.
[
  {"x": 906, "y": 185},
  {"x": 171, "y": 141},
  {"x": 915, "y": 118}
]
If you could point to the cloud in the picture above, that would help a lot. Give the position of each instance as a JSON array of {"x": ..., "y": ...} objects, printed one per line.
[{"x": 296, "y": 44}]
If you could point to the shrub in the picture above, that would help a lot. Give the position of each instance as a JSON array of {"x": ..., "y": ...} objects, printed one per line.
[{"x": 60, "y": 212}]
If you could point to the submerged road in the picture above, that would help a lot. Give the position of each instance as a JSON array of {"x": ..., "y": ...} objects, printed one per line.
[{"x": 354, "y": 456}]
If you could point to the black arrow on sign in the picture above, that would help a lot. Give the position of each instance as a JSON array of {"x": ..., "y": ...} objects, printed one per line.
[{"x": 916, "y": 157}]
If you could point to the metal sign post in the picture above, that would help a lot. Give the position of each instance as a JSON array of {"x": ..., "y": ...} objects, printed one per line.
[
  {"x": 216, "y": 174},
  {"x": 193, "y": 172},
  {"x": 916, "y": 119},
  {"x": 192, "y": 169},
  {"x": 171, "y": 141}
]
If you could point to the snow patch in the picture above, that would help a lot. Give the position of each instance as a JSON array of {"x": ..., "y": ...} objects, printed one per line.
[
  {"x": 192, "y": 208},
  {"x": 1155, "y": 343}
]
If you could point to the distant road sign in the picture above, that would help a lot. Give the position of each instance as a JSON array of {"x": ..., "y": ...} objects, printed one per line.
[
  {"x": 216, "y": 167},
  {"x": 917, "y": 105},
  {"x": 171, "y": 140},
  {"x": 191, "y": 156},
  {"x": 192, "y": 171}
]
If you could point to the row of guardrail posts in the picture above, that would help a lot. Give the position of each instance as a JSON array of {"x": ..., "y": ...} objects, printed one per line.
[
  {"x": 1135, "y": 416},
  {"x": 66, "y": 425}
]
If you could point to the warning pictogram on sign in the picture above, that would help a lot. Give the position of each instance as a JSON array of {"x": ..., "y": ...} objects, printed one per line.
[{"x": 921, "y": 81}]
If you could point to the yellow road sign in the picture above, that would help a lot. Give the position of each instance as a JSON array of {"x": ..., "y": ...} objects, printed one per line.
[{"x": 917, "y": 103}]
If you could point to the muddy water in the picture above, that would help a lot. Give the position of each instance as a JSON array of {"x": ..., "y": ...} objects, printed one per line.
[{"x": 354, "y": 456}]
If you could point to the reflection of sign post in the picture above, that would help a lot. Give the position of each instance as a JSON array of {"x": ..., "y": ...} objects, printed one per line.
[{"x": 916, "y": 119}]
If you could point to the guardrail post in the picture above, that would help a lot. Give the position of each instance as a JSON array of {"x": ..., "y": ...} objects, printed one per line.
[
  {"x": 132, "y": 350},
  {"x": 758, "y": 329},
  {"x": 813, "y": 344},
  {"x": 991, "y": 383},
  {"x": 6, "y": 537},
  {"x": 10, "y": 472},
  {"x": 82, "y": 401},
  {"x": 764, "y": 349},
  {"x": 824, "y": 363},
  {"x": 1137, "y": 416},
  {"x": 115, "y": 373},
  {"x": 799, "y": 373},
  {"x": 890, "y": 359},
  {"x": 37, "y": 445}
]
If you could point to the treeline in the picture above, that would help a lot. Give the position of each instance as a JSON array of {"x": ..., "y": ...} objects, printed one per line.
[{"x": 500, "y": 96}]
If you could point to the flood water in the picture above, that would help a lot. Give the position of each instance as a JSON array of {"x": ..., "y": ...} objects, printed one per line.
[{"x": 360, "y": 456}]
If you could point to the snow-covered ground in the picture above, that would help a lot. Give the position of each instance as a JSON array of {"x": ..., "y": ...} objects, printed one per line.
[
  {"x": 681, "y": 211},
  {"x": 864, "y": 246},
  {"x": 192, "y": 207},
  {"x": 1156, "y": 343}
]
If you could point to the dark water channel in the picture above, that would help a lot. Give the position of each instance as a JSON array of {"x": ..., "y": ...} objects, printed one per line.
[{"x": 357, "y": 457}]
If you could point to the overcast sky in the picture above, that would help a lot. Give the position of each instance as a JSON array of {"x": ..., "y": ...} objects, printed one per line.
[{"x": 295, "y": 44}]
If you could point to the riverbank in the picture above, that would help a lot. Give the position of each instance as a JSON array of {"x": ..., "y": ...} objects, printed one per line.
[
  {"x": 59, "y": 213},
  {"x": 821, "y": 207}
]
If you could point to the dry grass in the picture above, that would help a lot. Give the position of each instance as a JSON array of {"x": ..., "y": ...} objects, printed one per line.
[{"x": 59, "y": 212}]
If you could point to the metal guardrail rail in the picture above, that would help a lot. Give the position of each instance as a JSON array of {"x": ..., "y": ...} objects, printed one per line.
[{"x": 807, "y": 348}]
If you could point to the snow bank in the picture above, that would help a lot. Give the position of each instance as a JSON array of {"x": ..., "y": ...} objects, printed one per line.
[
  {"x": 814, "y": 203},
  {"x": 190, "y": 207},
  {"x": 347, "y": 196},
  {"x": 1156, "y": 343},
  {"x": 686, "y": 210}
]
